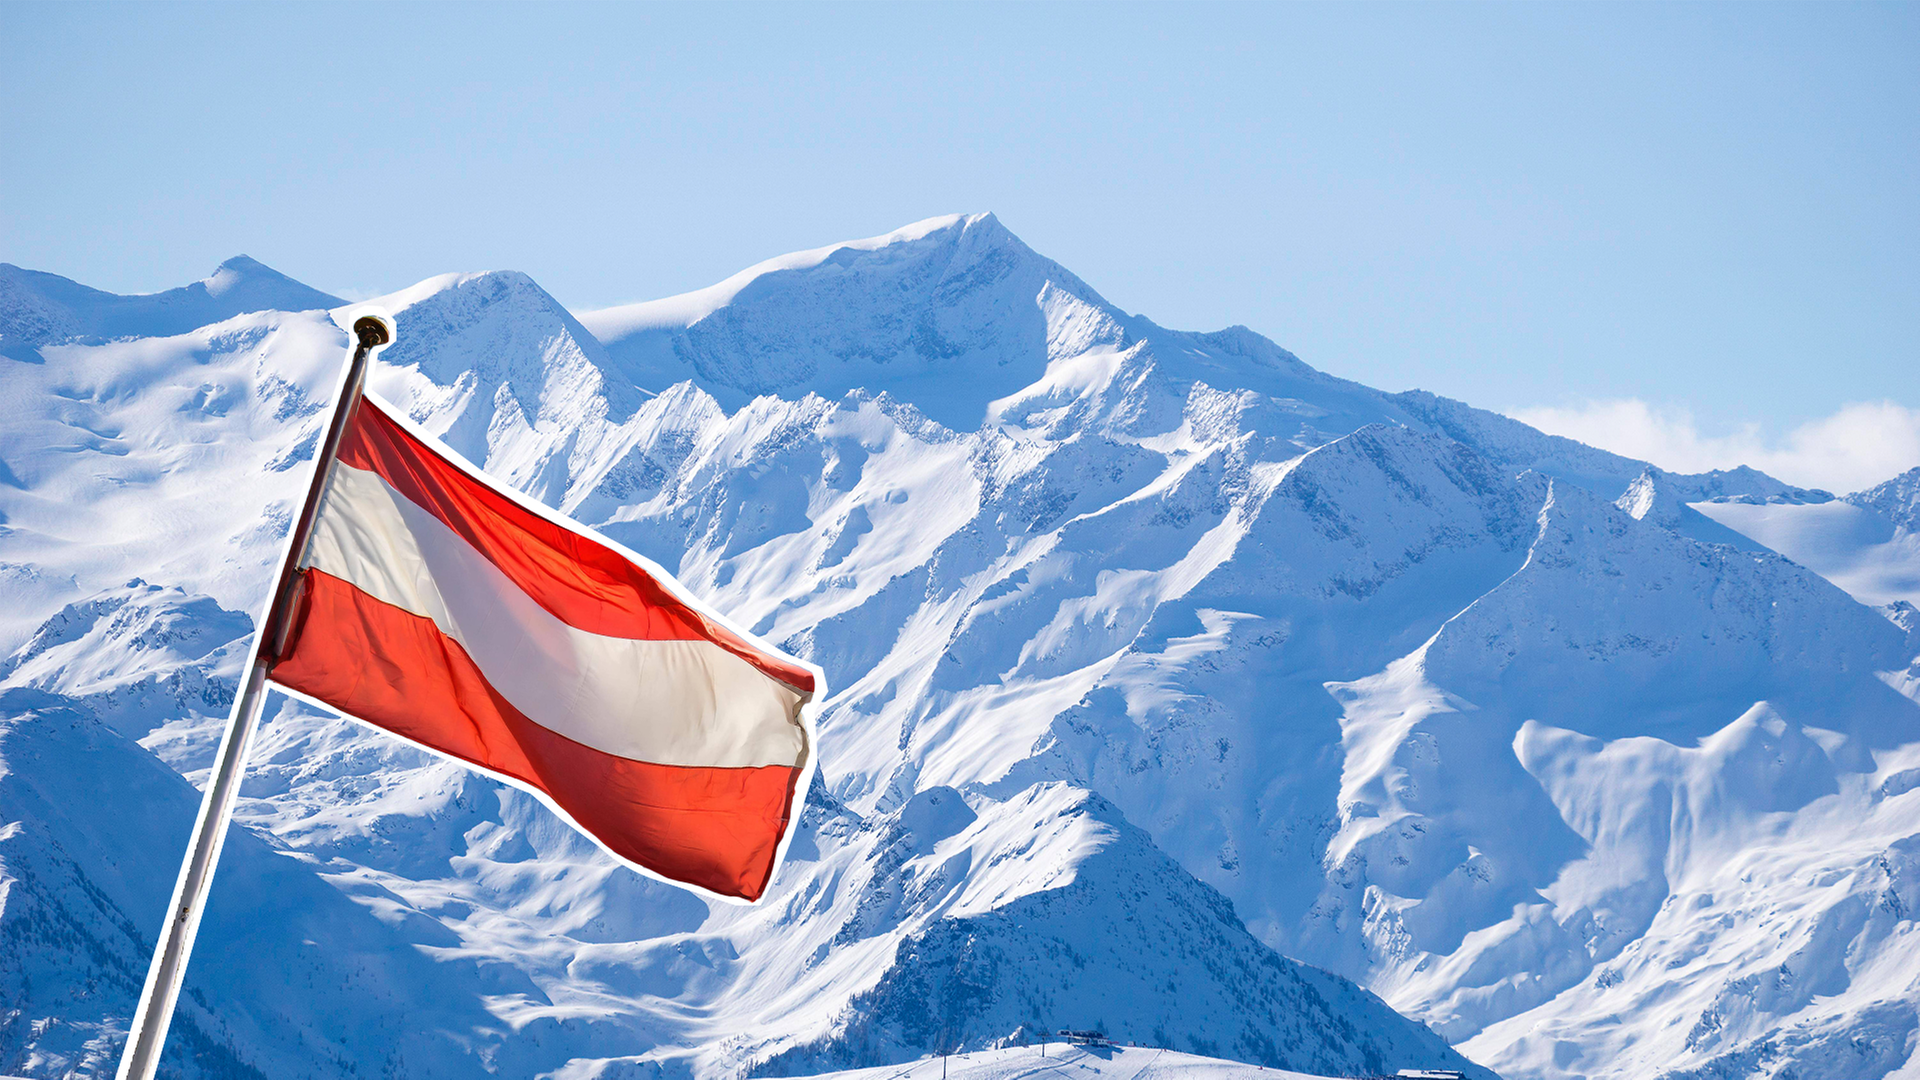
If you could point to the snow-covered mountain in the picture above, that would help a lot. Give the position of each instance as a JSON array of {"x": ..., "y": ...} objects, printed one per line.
[
  {"x": 39, "y": 309},
  {"x": 1177, "y": 688}
]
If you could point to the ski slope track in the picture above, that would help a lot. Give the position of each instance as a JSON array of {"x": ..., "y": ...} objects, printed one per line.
[{"x": 1181, "y": 691}]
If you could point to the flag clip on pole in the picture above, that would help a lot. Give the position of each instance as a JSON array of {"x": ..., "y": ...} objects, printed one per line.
[{"x": 151, "y": 1019}]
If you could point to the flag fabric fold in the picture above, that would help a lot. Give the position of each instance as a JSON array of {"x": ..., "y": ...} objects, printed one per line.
[{"x": 438, "y": 607}]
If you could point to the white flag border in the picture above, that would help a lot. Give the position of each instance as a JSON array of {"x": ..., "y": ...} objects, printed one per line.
[{"x": 809, "y": 709}]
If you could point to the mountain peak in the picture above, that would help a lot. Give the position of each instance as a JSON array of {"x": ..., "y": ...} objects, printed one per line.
[
  {"x": 944, "y": 312},
  {"x": 492, "y": 364},
  {"x": 246, "y": 264},
  {"x": 246, "y": 280},
  {"x": 494, "y": 285},
  {"x": 38, "y": 308},
  {"x": 682, "y": 310}
]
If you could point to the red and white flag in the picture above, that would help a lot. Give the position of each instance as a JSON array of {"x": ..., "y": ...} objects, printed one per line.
[{"x": 438, "y": 606}]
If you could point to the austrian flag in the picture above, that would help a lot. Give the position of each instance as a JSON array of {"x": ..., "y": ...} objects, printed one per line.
[{"x": 435, "y": 605}]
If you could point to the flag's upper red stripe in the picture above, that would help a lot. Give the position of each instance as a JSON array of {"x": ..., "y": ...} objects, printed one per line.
[{"x": 581, "y": 581}]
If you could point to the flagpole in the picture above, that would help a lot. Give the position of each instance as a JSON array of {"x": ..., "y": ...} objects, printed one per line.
[{"x": 154, "y": 1015}]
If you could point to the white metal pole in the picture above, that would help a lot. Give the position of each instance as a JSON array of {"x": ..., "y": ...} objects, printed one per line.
[
  {"x": 155, "y": 1014},
  {"x": 148, "y": 1036}
]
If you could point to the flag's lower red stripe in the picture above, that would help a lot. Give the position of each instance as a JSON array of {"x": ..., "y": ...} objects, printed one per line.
[{"x": 716, "y": 828}]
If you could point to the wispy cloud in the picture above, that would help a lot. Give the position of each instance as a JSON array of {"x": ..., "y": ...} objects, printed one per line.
[{"x": 1857, "y": 447}]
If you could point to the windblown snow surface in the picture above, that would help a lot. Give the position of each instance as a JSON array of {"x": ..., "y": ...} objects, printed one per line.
[{"x": 1178, "y": 690}]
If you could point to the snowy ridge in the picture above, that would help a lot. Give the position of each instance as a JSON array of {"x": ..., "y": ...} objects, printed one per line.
[
  {"x": 1521, "y": 448},
  {"x": 1057, "y": 1060},
  {"x": 1898, "y": 499},
  {"x": 39, "y": 309},
  {"x": 616, "y": 323},
  {"x": 1082, "y": 926},
  {"x": 138, "y": 653},
  {"x": 1867, "y": 543},
  {"x": 1159, "y": 658}
]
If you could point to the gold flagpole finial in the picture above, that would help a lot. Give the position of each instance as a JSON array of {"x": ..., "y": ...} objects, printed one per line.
[{"x": 372, "y": 331}]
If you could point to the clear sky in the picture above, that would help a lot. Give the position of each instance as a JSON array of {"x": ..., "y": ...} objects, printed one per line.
[{"x": 1709, "y": 213}]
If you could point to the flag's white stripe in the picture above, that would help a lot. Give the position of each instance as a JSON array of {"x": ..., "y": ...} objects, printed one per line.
[{"x": 667, "y": 702}]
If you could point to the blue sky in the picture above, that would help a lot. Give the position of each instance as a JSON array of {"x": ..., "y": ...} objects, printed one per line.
[{"x": 1708, "y": 213}]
